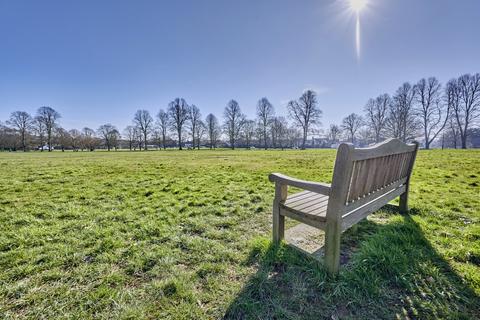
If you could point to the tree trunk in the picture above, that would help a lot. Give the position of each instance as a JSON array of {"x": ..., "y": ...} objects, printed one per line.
[
  {"x": 464, "y": 135},
  {"x": 179, "y": 139},
  {"x": 23, "y": 141},
  {"x": 265, "y": 138},
  {"x": 193, "y": 138},
  {"x": 49, "y": 141},
  {"x": 425, "y": 133},
  {"x": 464, "y": 141}
]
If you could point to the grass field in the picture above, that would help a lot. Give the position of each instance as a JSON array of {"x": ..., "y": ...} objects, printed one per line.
[{"x": 186, "y": 235}]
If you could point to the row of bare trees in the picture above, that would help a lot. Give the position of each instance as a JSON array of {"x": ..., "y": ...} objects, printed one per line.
[
  {"x": 180, "y": 125},
  {"x": 184, "y": 122},
  {"x": 425, "y": 110},
  {"x": 21, "y": 125}
]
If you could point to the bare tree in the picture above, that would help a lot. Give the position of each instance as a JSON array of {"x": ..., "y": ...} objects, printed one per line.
[
  {"x": 248, "y": 131},
  {"x": 265, "y": 113},
  {"x": 144, "y": 122},
  {"x": 279, "y": 128},
  {"x": 48, "y": 116},
  {"x": 62, "y": 137},
  {"x": 452, "y": 98},
  {"x": 89, "y": 139},
  {"x": 130, "y": 134},
  {"x": 7, "y": 137},
  {"x": 376, "y": 114},
  {"x": 157, "y": 138},
  {"x": 293, "y": 135},
  {"x": 75, "y": 137},
  {"x": 200, "y": 130},
  {"x": 163, "y": 123},
  {"x": 39, "y": 129},
  {"x": 401, "y": 121},
  {"x": 178, "y": 111},
  {"x": 194, "y": 117},
  {"x": 351, "y": 124},
  {"x": 22, "y": 122},
  {"x": 305, "y": 112},
  {"x": 430, "y": 109},
  {"x": 365, "y": 136},
  {"x": 467, "y": 111},
  {"x": 138, "y": 139},
  {"x": 213, "y": 130},
  {"x": 277, "y": 125},
  {"x": 109, "y": 134},
  {"x": 334, "y": 133},
  {"x": 454, "y": 131},
  {"x": 234, "y": 120},
  {"x": 451, "y": 134}
]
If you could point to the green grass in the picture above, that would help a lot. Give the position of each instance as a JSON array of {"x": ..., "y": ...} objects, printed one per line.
[{"x": 186, "y": 235}]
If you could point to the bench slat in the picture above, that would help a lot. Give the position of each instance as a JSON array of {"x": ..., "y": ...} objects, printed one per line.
[
  {"x": 360, "y": 202},
  {"x": 388, "y": 147},
  {"x": 357, "y": 215},
  {"x": 307, "y": 202},
  {"x": 311, "y": 205}
]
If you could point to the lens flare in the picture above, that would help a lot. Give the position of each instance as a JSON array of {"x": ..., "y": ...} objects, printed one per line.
[
  {"x": 357, "y": 36},
  {"x": 357, "y": 5}
]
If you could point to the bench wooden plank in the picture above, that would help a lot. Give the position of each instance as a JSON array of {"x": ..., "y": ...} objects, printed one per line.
[
  {"x": 298, "y": 197},
  {"x": 306, "y": 205},
  {"x": 376, "y": 194},
  {"x": 356, "y": 216},
  {"x": 311, "y": 221},
  {"x": 313, "y": 204},
  {"x": 388, "y": 147},
  {"x": 323, "y": 188}
]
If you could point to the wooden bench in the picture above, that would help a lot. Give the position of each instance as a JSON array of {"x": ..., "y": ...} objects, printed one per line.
[{"x": 364, "y": 180}]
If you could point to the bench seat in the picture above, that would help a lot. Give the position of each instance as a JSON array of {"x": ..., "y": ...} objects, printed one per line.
[{"x": 308, "y": 207}]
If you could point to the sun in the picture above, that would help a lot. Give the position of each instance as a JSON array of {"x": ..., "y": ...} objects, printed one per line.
[{"x": 358, "y": 5}]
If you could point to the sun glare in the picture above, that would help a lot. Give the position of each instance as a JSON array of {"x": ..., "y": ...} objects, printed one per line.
[{"x": 357, "y": 5}]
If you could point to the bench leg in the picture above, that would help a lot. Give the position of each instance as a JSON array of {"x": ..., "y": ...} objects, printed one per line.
[
  {"x": 278, "y": 219},
  {"x": 403, "y": 205},
  {"x": 332, "y": 247},
  {"x": 278, "y": 225}
]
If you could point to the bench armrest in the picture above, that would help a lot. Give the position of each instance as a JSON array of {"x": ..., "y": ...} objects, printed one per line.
[{"x": 318, "y": 187}]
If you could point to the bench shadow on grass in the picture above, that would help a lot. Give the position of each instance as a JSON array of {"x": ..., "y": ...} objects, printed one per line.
[{"x": 394, "y": 273}]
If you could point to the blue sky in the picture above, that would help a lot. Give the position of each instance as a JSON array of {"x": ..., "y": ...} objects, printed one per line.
[{"x": 99, "y": 61}]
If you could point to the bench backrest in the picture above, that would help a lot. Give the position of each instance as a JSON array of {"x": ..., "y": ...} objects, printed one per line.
[
  {"x": 379, "y": 167},
  {"x": 365, "y": 174}
]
